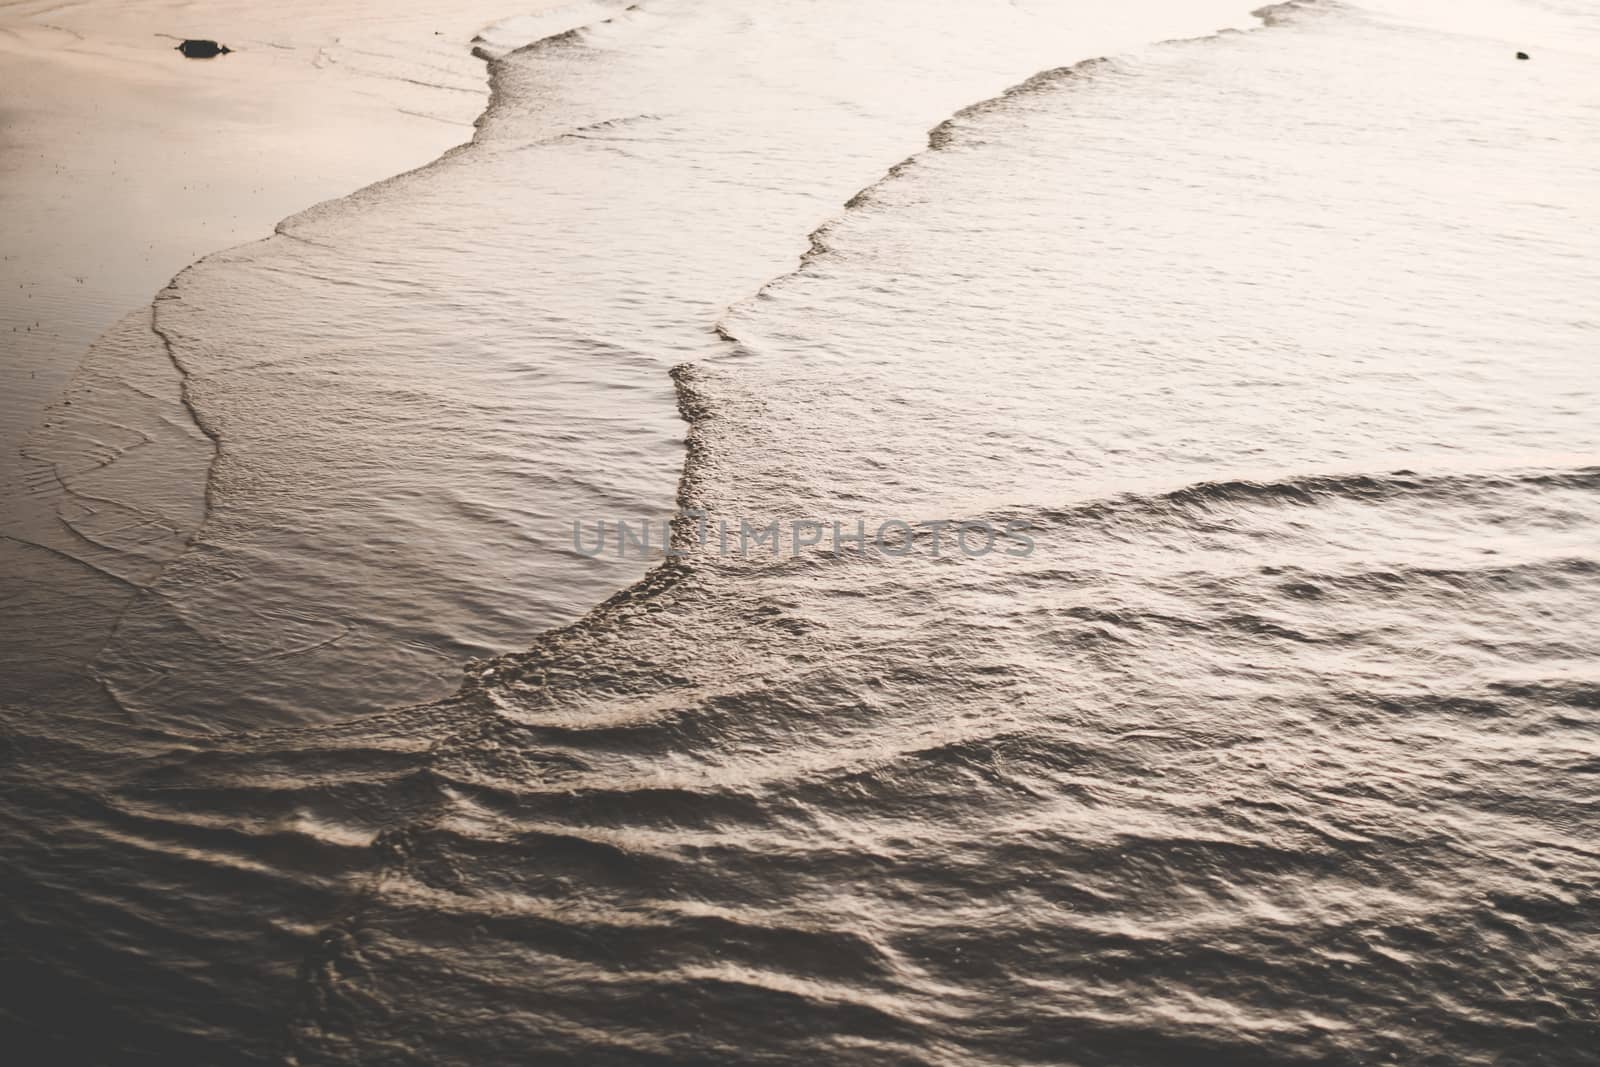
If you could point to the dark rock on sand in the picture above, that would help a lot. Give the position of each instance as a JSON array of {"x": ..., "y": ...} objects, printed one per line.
[
  {"x": 1522, "y": 55},
  {"x": 203, "y": 49}
]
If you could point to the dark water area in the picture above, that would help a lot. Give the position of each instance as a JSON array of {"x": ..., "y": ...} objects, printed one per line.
[{"x": 1276, "y": 743}]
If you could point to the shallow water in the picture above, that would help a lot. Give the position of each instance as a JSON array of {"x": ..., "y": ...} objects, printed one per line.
[
  {"x": 419, "y": 389},
  {"x": 1278, "y": 747},
  {"x": 120, "y": 163}
]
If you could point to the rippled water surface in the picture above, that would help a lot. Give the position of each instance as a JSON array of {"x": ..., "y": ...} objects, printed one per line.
[
  {"x": 418, "y": 390},
  {"x": 1278, "y": 747}
]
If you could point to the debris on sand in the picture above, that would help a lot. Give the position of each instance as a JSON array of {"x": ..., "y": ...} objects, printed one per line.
[{"x": 200, "y": 49}]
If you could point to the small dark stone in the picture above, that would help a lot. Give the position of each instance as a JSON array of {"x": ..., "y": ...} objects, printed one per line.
[
  {"x": 203, "y": 49},
  {"x": 1522, "y": 55}
]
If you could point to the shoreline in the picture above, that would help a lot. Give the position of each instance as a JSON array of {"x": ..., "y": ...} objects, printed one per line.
[
  {"x": 186, "y": 524},
  {"x": 104, "y": 462},
  {"x": 112, "y": 132}
]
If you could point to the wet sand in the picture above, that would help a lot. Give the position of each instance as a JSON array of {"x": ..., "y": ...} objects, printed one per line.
[{"x": 121, "y": 161}]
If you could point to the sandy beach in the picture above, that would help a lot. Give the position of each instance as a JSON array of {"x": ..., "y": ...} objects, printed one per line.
[
  {"x": 939, "y": 532},
  {"x": 121, "y": 162}
]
